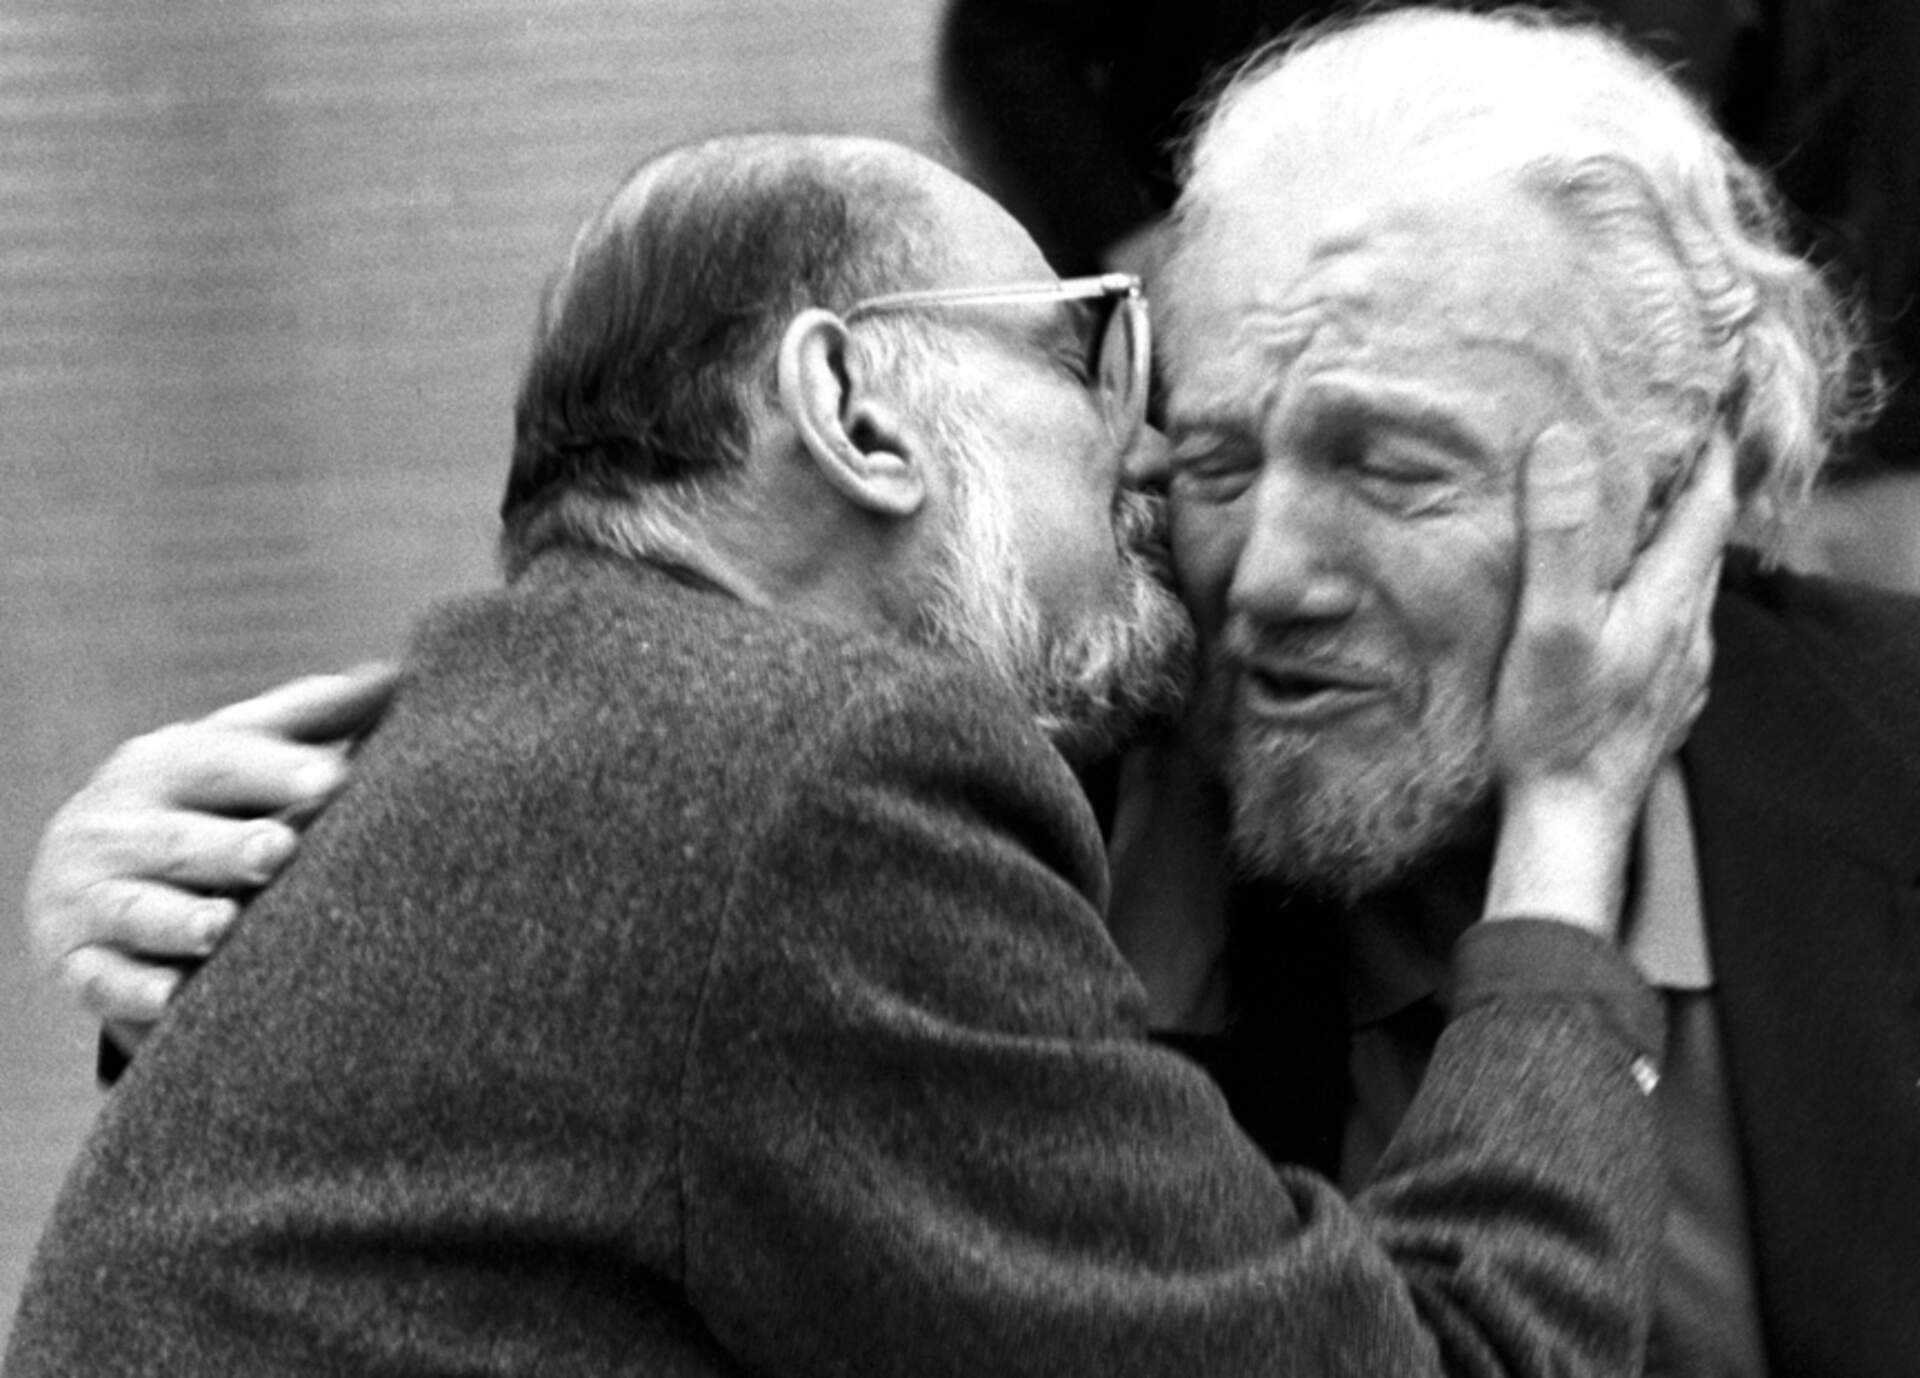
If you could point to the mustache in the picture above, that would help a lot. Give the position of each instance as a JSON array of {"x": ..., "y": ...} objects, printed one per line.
[{"x": 1142, "y": 530}]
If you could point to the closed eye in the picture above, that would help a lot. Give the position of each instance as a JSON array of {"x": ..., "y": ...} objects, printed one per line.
[
  {"x": 1404, "y": 476},
  {"x": 1217, "y": 472}
]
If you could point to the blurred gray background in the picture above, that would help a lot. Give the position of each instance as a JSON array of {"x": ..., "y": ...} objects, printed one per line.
[{"x": 266, "y": 270}]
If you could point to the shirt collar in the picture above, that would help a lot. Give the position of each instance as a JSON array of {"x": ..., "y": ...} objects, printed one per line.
[
  {"x": 1665, "y": 928},
  {"x": 1390, "y": 963}
]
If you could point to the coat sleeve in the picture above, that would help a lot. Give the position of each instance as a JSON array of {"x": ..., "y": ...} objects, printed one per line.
[{"x": 924, "y": 1132}]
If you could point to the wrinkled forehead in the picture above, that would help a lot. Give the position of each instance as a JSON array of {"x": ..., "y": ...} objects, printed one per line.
[{"x": 1318, "y": 267}]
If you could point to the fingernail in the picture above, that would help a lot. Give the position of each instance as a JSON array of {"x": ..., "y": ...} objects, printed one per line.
[
  {"x": 1562, "y": 478},
  {"x": 1559, "y": 450},
  {"x": 215, "y": 918},
  {"x": 267, "y": 848},
  {"x": 319, "y": 777}
]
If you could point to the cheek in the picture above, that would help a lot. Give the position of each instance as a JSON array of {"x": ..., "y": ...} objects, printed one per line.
[
  {"x": 1068, "y": 540},
  {"x": 1455, "y": 591},
  {"x": 1064, "y": 529},
  {"x": 1062, "y": 495}
]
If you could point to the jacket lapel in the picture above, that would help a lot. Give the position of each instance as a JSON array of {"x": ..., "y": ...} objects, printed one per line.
[{"x": 1804, "y": 776}]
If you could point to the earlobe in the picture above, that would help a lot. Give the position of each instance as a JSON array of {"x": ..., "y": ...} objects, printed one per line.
[{"x": 850, "y": 432}]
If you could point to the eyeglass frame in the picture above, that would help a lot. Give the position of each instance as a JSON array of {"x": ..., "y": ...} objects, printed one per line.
[{"x": 1124, "y": 289}]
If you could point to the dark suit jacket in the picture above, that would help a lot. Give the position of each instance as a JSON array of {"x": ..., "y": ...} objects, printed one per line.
[
  {"x": 683, "y": 989},
  {"x": 1804, "y": 775},
  {"x": 1804, "y": 781}
]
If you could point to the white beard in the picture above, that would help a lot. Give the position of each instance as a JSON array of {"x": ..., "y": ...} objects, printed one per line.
[
  {"x": 1093, "y": 683},
  {"x": 1354, "y": 833}
]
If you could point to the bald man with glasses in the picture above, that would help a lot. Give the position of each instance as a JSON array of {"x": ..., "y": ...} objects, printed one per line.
[{"x": 705, "y": 971}]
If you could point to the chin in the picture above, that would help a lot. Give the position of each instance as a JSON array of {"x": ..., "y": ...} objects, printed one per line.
[{"x": 1321, "y": 813}]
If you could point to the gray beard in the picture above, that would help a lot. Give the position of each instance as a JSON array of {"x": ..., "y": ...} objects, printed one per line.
[
  {"x": 1111, "y": 676},
  {"x": 1099, "y": 681},
  {"x": 1351, "y": 835}
]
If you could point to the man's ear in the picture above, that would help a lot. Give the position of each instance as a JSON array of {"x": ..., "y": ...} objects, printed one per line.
[{"x": 852, "y": 434}]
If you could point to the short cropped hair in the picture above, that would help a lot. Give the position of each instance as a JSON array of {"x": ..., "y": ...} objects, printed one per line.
[
  {"x": 1697, "y": 310},
  {"x": 664, "y": 323}
]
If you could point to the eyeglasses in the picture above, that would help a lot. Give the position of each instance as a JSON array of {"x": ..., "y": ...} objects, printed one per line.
[{"x": 1122, "y": 351}]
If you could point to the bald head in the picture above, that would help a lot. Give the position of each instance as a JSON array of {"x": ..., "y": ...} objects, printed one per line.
[
  {"x": 661, "y": 327},
  {"x": 703, "y": 394}
]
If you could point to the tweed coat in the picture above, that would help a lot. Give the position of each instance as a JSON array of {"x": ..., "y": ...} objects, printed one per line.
[{"x": 681, "y": 988}]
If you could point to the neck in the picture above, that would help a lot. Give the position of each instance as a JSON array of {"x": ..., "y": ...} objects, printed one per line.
[
  {"x": 1434, "y": 906},
  {"x": 781, "y": 556}
]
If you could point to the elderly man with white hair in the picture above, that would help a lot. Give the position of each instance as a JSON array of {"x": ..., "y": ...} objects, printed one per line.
[{"x": 1406, "y": 248}]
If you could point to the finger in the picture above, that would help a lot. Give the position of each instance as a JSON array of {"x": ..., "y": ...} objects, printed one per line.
[
  {"x": 156, "y": 923},
  {"x": 98, "y": 876},
  {"x": 203, "y": 766},
  {"x": 1559, "y": 536},
  {"x": 115, "y": 987},
  {"x": 317, "y": 708},
  {"x": 1699, "y": 651},
  {"x": 199, "y": 851},
  {"x": 1680, "y": 565},
  {"x": 1698, "y": 669}
]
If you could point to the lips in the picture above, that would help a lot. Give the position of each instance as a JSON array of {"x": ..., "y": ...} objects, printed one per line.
[{"x": 1309, "y": 693}]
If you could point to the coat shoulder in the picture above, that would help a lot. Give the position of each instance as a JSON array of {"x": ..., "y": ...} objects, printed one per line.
[{"x": 1781, "y": 633}]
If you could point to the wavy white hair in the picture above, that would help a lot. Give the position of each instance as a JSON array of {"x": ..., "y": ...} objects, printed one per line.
[{"x": 1697, "y": 312}]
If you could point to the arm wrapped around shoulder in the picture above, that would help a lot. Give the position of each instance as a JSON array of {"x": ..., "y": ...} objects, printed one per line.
[{"x": 926, "y": 1133}]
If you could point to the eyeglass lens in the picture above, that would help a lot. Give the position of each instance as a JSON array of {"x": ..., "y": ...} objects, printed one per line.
[{"x": 1118, "y": 371}]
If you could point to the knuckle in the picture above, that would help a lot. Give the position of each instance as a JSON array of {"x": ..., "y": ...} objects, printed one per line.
[
  {"x": 1565, "y": 636},
  {"x": 83, "y": 828},
  {"x": 136, "y": 774},
  {"x": 85, "y": 973},
  {"x": 173, "y": 841},
  {"x": 64, "y": 908},
  {"x": 220, "y": 764},
  {"x": 121, "y": 912},
  {"x": 1562, "y": 647},
  {"x": 113, "y": 988}
]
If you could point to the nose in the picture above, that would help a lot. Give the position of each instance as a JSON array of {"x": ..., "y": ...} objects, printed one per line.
[
  {"x": 1146, "y": 461},
  {"x": 1297, "y": 562}
]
